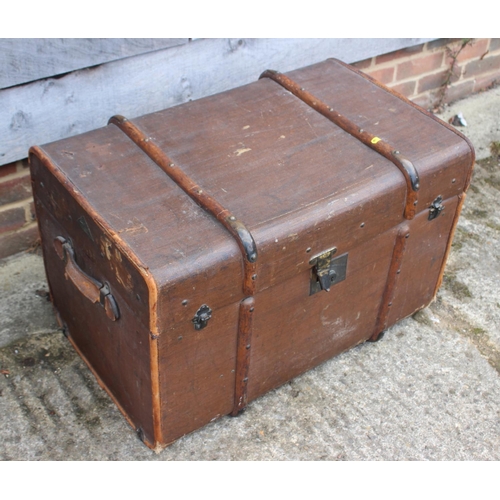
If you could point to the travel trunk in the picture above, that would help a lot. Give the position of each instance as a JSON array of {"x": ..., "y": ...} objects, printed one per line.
[{"x": 203, "y": 255}]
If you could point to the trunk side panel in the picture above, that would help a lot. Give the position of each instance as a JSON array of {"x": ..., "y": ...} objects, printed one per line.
[
  {"x": 118, "y": 351},
  {"x": 422, "y": 262}
]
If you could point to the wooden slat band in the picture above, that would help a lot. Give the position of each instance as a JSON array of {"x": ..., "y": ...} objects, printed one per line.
[
  {"x": 372, "y": 141},
  {"x": 243, "y": 354},
  {"x": 238, "y": 230},
  {"x": 392, "y": 278},
  {"x": 430, "y": 115}
]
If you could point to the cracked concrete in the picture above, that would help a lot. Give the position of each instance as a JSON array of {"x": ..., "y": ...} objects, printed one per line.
[{"x": 430, "y": 390}]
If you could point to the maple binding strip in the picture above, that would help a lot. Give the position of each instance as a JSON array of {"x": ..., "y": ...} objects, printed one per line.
[
  {"x": 372, "y": 141},
  {"x": 238, "y": 230}
]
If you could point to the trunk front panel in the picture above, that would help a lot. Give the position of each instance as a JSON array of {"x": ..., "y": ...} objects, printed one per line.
[
  {"x": 197, "y": 371},
  {"x": 295, "y": 331}
]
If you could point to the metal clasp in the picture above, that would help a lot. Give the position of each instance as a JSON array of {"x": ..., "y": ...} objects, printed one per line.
[
  {"x": 436, "y": 208},
  {"x": 201, "y": 317},
  {"x": 327, "y": 271}
]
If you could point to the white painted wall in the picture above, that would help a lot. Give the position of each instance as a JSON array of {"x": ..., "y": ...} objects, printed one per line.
[{"x": 98, "y": 78}]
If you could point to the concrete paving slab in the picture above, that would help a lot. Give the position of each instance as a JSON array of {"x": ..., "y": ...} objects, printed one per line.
[
  {"x": 430, "y": 390},
  {"x": 24, "y": 306}
]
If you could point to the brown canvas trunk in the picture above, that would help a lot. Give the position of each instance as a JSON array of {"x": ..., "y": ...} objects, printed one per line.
[{"x": 190, "y": 252}]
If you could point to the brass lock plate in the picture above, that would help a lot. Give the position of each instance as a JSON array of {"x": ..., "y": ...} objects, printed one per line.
[{"x": 327, "y": 271}]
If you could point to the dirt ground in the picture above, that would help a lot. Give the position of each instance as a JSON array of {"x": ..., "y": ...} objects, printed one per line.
[{"x": 430, "y": 390}]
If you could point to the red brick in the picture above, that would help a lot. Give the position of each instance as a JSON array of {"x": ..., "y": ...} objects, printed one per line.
[
  {"x": 407, "y": 88},
  {"x": 15, "y": 189},
  {"x": 486, "y": 65},
  {"x": 432, "y": 82},
  {"x": 419, "y": 66},
  {"x": 18, "y": 241},
  {"x": 363, "y": 64},
  {"x": 398, "y": 54},
  {"x": 455, "y": 44},
  {"x": 385, "y": 75},
  {"x": 459, "y": 91},
  {"x": 12, "y": 219},
  {"x": 9, "y": 168},
  {"x": 474, "y": 51},
  {"x": 494, "y": 44},
  {"x": 486, "y": 82}
]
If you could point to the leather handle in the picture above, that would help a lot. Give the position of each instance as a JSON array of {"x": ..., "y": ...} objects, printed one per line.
[{"x": 92, "y": 289}]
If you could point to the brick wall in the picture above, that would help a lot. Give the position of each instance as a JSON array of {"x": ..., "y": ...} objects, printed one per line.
[
  {"x": 18, "y": 229},
  {"x": 418, "y": 73}
]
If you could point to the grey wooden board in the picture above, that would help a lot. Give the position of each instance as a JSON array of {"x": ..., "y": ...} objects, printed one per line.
[
  {"x": 28, "y": 59},
  {"x": 51, "y": 109}
]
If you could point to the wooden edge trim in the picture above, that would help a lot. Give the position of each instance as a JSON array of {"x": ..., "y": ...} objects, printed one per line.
[
  {"x": 418, "y": 108},
  {"x": 235, "y": 227},
  {"x": 245, "y": 323},
  {"x": 392, "y": 278},
  {"x": 53, "y": 168},
  {"x": 155, "y": 390},
  {"x": 383, "y": 148},
  {"x": 461, "y": 200}
]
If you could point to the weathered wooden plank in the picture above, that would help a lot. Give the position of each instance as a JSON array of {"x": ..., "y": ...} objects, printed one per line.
[
  {"x": 52, "y": 109},
  {"x": 28, "y": 59}
]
